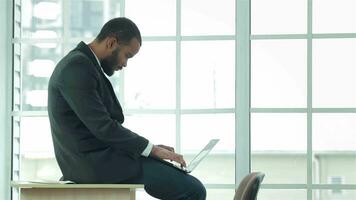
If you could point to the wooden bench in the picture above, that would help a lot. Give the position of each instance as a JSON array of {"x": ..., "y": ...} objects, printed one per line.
[{"x": 57, "y": 191}]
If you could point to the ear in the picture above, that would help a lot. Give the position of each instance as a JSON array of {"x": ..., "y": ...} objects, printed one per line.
[{"x": 111, "y": 43}]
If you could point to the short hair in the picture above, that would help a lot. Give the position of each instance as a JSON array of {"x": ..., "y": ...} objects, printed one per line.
[{"x": 122, "y": 28}]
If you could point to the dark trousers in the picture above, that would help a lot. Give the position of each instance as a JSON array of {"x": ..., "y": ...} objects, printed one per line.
[{"x": 165, "y": 182}]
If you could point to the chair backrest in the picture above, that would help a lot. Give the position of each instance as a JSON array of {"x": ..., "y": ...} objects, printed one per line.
[{"x": 249, "y": 186}]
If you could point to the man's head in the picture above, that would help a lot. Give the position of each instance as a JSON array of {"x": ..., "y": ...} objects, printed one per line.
[{"x": 118, "y": 40}]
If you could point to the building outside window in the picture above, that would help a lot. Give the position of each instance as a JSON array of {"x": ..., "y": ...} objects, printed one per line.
[{"x": 336, "y": 180}]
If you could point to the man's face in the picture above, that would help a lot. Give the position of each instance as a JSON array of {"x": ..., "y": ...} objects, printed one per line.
[{"x": 119, "y": 56}]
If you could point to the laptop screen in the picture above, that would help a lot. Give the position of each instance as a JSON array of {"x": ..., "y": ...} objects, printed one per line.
[{"x": 198, "y": 158}]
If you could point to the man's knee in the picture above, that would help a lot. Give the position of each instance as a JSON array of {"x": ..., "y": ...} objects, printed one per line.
[{"x": 199, "y": 190}]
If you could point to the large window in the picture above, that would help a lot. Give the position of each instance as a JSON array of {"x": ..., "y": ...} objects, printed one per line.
[
  {"x": 275, "y": 80},
  {"x": 303, "y": 98}
]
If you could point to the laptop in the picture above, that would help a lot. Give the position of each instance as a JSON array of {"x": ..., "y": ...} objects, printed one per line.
[{"x": 196, "y": 160}]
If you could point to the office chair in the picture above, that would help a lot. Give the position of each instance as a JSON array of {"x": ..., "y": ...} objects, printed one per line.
[{"x": 249, "y": 186}]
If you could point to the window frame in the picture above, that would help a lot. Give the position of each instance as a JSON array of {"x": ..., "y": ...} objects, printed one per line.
[{"x": 6, "y": 13}]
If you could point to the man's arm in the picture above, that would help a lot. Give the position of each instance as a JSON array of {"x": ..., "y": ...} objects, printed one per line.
[{"x": 147, "y": 150}]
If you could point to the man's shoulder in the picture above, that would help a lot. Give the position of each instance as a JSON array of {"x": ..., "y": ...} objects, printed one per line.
[
  {"x": 75, "y": 61},
  {"x": 74, "y": 66},
  {"x": 75, "y": 57}
]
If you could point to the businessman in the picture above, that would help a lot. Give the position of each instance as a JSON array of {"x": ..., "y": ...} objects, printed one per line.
[{"x": 90, "y": 143}]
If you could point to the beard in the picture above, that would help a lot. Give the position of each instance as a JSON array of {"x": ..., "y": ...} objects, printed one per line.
[{"x": 108, "y": 64}]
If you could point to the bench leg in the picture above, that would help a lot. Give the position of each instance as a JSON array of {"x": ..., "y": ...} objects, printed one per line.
[
  {"x": 76, "y": 194},
  {"x": 132, "y": 194}
]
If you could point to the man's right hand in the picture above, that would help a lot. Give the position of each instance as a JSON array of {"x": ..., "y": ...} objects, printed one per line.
[{"x": 163, "y": 153}]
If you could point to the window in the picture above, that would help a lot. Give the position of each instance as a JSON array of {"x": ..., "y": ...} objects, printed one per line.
[
  {"x": 277, "y": 87},
  {"x": 159, "y": 92},
  {"x": 303, "y": 97}
]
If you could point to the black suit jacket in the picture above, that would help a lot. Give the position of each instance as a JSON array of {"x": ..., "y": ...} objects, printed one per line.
[{"x": 91, "y": 145}]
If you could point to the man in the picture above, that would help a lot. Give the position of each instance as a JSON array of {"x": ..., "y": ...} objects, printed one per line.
[{"x": 90, "y": 143}]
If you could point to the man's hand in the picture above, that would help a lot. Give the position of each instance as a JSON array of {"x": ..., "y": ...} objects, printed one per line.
[
  {"x": 163, "y": 153},
  {"x": 166, "y": 147}
]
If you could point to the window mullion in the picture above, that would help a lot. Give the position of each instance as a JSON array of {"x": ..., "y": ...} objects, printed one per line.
[
  {"x": 309, "y": 102},
  {"x": 242, "y": 93},
  {"x": 121, "y": 95},
  {"x": 178, "y": 75}
]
